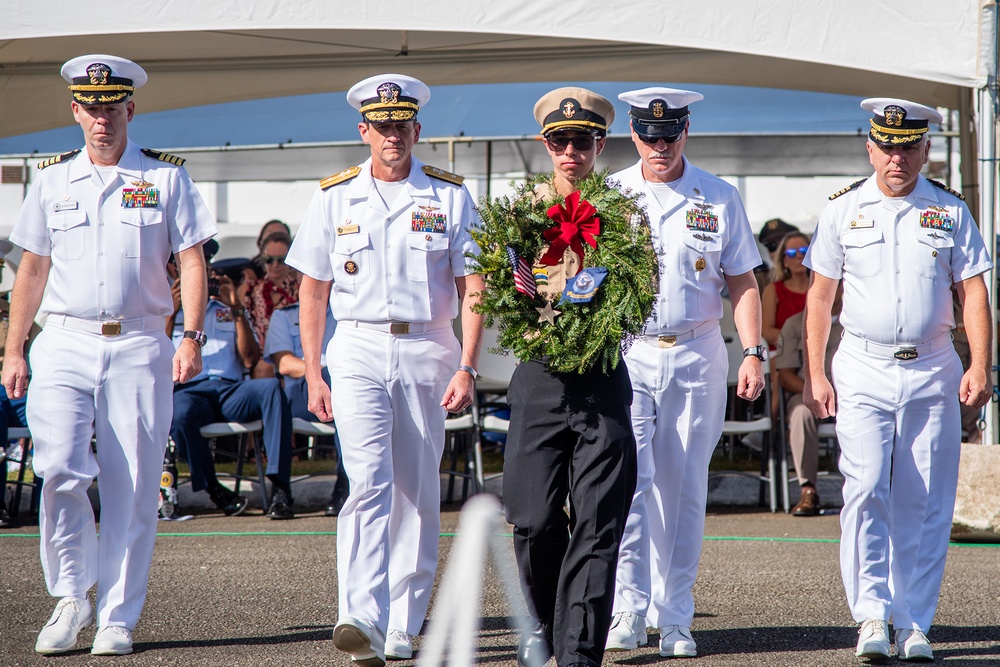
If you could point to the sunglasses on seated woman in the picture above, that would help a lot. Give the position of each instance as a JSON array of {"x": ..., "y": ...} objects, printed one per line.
[
  {"x": 271, "y": 259},
  {"x": 792, "y": 252}
]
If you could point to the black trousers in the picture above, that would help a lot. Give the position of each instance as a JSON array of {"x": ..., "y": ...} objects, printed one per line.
[{"x": 570, "y": 435}]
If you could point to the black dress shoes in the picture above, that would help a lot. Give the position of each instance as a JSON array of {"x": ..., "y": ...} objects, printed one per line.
[
  {"x": 228, "y": 501},
  {"x": 5, "y": 520},
  {"x": 535, "y": 648},
  {"x": 281, "y": 505}
]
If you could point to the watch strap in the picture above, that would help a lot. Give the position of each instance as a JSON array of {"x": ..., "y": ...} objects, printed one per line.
[{"x": 470, "y": 370}]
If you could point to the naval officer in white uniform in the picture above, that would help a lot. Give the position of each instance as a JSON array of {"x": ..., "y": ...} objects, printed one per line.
[
  {"x": 900, "y": 243},
  {"x": 97, "y": 228},
  {"x": 679, "y": 369},
  {"x": 384, "y": 246}
]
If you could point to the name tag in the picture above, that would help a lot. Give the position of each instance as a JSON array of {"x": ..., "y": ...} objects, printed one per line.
[
  {"x": 862, "y": 224},
  {"x": 348, "y": 229},
  {"x": 66, "y": 206}
]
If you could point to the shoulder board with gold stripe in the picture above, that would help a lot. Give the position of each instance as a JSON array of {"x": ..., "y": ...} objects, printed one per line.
[
  {"x": 57, "y": 159},
  {"x": 855, "y": 184},
  {"x": 946, "y": 188},
  {"x": 443, "y": 175},
  {"x": 345, "y": 175},
  {"x": 165, "y": 157}
]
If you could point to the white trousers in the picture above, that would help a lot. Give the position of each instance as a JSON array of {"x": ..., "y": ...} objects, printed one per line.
[
  {"x": 118, "y": 389},
  {"x": 678, "y": 406},
  {"x": 899, "y": 427},
  {"x": 386, "y": 393}
]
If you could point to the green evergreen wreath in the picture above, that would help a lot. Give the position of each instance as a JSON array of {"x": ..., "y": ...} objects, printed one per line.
[{"x": 584, "y": 333}]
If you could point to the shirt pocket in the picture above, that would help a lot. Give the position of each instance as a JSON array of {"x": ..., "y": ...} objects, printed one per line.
[
  {"x": 863, "y": 252},
  {"x": 68, "y": 234},
  {"x": 934, "y": 256},
  {"x": 141, "y": 228},
  {"x": 424, "y": 253},
  {"x": 700, "y": 246},
  {"x": 352, "y": 258}
]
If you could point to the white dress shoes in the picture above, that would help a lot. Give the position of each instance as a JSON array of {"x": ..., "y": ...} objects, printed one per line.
[
  {"x": 873, "y": 640},
  {"x": 398, "y": 645},
  {"x": 59, "y": 634},
  {"x": 362, "y": 640},
  {"x": 627, "y": 632},
  {"x": 112, "y": 640},
  {"x": 676, "y": 642},
  {"x": 913, "y": 645}
]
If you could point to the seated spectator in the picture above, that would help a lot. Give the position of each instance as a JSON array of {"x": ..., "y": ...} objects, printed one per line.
[
  {"x": 800, "y": 421},
  {"x": 278, "y": 288},
  {"x": 785, "y": 295},
  {"x": 12, "y": 411},
  {"x": 284, "y": 349},
  {"x": 219, "y": 393}
]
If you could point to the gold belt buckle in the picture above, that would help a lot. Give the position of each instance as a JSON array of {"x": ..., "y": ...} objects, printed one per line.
[
  {"x": 111, "y": 328},
  {"x": 399, "y": 328},
  {"x": 667, "y": 341}
]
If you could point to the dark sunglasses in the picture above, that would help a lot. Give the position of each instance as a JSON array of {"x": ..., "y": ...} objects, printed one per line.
[
  {"x": 801, "y": 252},
  {"x": 271, "y": 259},
  {"x": 581, "y": 142},
  {"x": 652, "y": 140}
]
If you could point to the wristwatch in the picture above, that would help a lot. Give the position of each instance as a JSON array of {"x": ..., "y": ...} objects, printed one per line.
[
  {"x": 470, "y": 370},
  {"x": 199, "y": 337},
  {"x": 759, "y": 351}
]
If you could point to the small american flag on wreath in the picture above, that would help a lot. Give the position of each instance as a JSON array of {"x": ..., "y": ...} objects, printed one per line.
[{"x": 524, "y": 281}]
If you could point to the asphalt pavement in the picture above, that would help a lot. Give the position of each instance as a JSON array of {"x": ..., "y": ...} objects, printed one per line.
[{"x": 249, "y": 591}]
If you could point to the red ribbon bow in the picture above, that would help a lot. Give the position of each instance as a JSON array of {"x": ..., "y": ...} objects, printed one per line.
[{"x": 576, "y": 220}]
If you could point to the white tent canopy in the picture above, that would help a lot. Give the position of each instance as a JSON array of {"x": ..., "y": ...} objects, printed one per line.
[{"x": 202, "y": 53}]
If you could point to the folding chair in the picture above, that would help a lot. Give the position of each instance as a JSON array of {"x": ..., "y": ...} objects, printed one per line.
[
  {"x": 245, "y": 432},
  {"x": 744, "y": 420},
  {"x": 23, "y": 435}
]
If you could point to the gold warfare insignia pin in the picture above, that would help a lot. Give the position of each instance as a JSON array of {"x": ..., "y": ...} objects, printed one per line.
[
  {"x": 657, "y": 109},
  {"x": 350, "y": 267},
  {"x": 142, "y": 184},
  {"x": 569, "y": 109},
  {"x": 699, "y": 264},
  {"x": 894, "y": 115}
]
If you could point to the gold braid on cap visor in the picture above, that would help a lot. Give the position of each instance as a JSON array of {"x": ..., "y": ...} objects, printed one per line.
[
  {"x": 896, "y": 135},
  {"x": 573, "y": 123}
]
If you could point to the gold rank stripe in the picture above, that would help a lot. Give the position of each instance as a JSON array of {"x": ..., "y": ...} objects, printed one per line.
[
  {"x": 898, "y": 131},
  {"x": 573, "y": 123},
  {"x": 57, "y": 159},
  {"x": 443, "y": 175},
  {"x": 855, "y": 184},
  {"x": 165, "y": 157},
  {"x": 946, "y": 188},
  {"x": 103, "y": 89},
  {"x": 345, "y": 175}
]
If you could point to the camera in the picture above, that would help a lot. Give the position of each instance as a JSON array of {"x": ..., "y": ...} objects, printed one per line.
[{"x": 213, "y": 287}]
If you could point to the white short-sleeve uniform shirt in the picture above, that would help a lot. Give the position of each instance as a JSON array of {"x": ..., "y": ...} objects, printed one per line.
[
  {"x": 701, "y": 234},
  {"x": 388, "y": 265},
  {"x": 108, "y": 246},
  {"x": 898, "y": 258}
]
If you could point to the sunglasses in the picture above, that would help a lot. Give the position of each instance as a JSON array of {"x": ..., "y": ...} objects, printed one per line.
[
  {"x": 792, "y": 252},
  {"x": 271, "y": 259},
  {"x": 559, "y": 142},
  {"x": 652, "y": 140}
]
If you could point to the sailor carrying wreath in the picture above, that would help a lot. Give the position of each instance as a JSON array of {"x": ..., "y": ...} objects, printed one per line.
[{"x": 569, "y": 281}]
